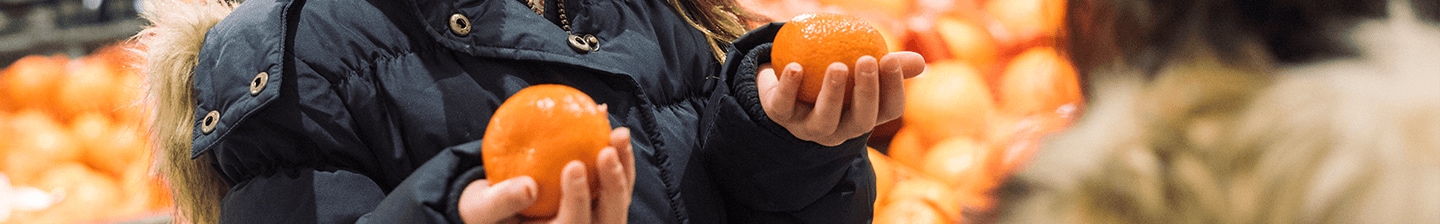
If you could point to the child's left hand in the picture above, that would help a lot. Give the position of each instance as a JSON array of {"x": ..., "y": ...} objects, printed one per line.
[
  {"x": 481, "y": 203},
  {"x": 879, "y": 97}
]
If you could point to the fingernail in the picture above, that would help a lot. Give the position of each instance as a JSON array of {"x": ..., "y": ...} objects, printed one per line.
[
  {"x": 578, "y": 176},
  {"x": 600, "y": 157},
  {"x": 528, "y": 185},
  {"x": 530, "y": 188}
]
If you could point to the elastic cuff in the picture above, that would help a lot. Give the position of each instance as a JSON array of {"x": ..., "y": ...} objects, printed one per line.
[
  {"x": 458, "y": 180},
  {"x": 746, "y": 92},
  {"x": 457, "y": 187}
]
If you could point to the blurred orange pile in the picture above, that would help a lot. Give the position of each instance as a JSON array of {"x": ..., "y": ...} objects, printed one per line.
[
  {"x": 75, "y": 128},
  {"x": 996, "y": 84}
]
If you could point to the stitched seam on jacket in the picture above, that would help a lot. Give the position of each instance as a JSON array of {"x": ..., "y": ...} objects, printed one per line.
[{"x": 661, "y": 157}]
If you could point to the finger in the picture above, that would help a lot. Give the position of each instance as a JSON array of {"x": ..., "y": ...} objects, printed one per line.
[
  {"x": 780, "y": 103},
  {"x": 864, "y": 103},
  {"x": 614, "y": 198},
  {"x": 615, "y": 208},
  {"x": 574, "y": 195},
  {"x": 620, "y": 139},
  {"x": 826, "y": 116},
  {"x": 910, "y": 64},
  {"x": 766, "y": 80},
  {"x": 482, "y": 203},
  {"x": 892, "y": 87}
]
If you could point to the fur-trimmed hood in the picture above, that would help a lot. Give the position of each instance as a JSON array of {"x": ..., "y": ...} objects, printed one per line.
[
  {"x": 1206, "y": 138},
  {"x": 171, "y": 45}
]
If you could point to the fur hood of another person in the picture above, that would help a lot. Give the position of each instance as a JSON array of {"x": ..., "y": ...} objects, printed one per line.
[{"x": 1228, "y": 111}]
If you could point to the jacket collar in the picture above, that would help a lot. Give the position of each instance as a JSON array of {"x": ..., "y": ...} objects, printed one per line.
[{"x": 509, "y": 29}]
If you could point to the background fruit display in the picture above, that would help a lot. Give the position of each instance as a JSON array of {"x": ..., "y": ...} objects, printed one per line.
[
  {"x": 73, "y": 142},
  {"x": 996, "y": 84}
]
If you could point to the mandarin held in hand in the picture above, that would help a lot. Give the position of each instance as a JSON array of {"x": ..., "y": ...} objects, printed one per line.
[
  {"x": 817, "y": 40},
  {"x": 539, "y": 130}
]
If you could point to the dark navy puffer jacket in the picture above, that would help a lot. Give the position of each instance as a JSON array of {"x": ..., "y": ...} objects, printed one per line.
[{"x": 373, "y": 112}]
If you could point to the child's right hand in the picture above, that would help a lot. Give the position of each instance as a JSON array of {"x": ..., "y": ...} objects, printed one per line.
[
  {"x": 878, "y": 97},
  {"x": 482, "y": 203}
]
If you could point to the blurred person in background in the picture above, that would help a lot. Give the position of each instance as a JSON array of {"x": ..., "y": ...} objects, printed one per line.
[{"x": 1231, "y": 111}]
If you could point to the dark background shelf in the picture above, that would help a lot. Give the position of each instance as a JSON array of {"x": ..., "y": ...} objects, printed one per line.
[{"x": 70, "y": 27}]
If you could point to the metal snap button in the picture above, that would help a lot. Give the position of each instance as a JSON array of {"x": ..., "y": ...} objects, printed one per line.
[
  {"x": 593, "y": 42},
  {"x": 580, "y": 44},
  {"x": 258, "y": 83},
  {"x": 459, "y": 24},
  {"x": 207, "y": 124}
]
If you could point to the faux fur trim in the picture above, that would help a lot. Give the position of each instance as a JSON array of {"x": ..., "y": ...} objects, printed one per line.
[
  {"x": 1354, "y": 140},
  {"x": 171, "y": 45}
]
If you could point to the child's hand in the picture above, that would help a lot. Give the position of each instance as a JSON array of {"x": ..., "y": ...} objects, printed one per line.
[
  {"x": 878, "y": 97},
  {"x": 482, "y": 203}
]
